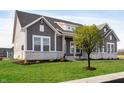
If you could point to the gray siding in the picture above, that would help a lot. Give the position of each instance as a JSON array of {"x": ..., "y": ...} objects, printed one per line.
[
  {"x": 35, "y": 30},
  {"x": 107, "y": 39},
  {"x": 68, "y": 46},
  {"x": 59, "y": 43},
  {"x": 107, "y": 28}
]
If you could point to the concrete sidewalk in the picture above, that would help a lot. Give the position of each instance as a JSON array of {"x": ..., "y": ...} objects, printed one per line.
[{"x": 99, "y": 79}]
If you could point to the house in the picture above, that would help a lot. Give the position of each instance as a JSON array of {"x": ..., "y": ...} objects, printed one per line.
[
  {"x": 6, "y": 52},
  {"x": 38, "y": 37}
]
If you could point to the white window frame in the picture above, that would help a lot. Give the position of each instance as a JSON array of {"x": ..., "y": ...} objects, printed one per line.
[
  {"x": 78, "y": 52},
  {"x": 48, "y": 44},
  {"x": 72, "y": 27},
  {"x": 105, "y": 30},
  {"x": 70, "y": 47},
  {"x": 111, "y": 47},
  {"x": 41, "y": 28},
  {"x": 103, "y": 49},
  {"x": 33, "y": 41},
  {"x": 74, "y": 49},
  {"x": 41, "y": 37},
  {"x": 110, "y": 37}
]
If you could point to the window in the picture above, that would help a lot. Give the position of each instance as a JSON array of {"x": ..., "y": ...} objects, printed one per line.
[
  {"x": 72, "y": 49},
  {"x": 78, "y": 51},
  {"x": 70, "y": 27},
  {"x": 41, "y": 43},
  {"x": 22, "y": 47},
  {"x": 45, "y": 44},
  {"x": 73, "y": 28},
  {"x": 110, "y": 48},
  {"x": 37, "y": 43},
  {"x": 105, "y": 29},
  {"x": 97, "y": 49},
  {"x": 41, "y": 28},
  {"x": 103, "y": 49},
  {"x": 110, "y": 37}
]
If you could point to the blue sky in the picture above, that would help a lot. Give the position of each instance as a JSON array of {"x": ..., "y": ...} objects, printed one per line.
[{"x": 115, "y": 19}]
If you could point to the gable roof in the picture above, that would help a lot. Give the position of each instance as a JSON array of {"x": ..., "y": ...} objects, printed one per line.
[
  {"x": 113, "y": 34},
  {"x": 26, "y": 18},
  {"x": 101, "y": 26}
]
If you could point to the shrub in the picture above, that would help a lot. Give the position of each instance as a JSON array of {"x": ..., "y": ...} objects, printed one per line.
[{"x": 1, "y": 58}]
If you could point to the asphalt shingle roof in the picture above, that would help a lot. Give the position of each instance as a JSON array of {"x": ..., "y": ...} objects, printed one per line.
[
  {"x": 26, "y": 18},
  {"x": 101, "y": 26}
]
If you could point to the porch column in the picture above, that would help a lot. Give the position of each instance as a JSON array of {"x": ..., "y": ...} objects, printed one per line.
[
  {"x": 7, "y": 54},
  {"x": 55, "y": 41},
  {"x": 63, "y": 43},
  {"x": 74, "y": 51}
]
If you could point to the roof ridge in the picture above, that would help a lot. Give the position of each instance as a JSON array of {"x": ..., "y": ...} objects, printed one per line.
[
  {"x": 27, "y": 12},
  {"x": 63, "y": 20},
  {"x": 48, "y": 17}
]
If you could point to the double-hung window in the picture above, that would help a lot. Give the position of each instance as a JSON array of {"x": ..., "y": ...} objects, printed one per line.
[
  {"x": 46, "y": 45},
  {"x": 110, "y": 48},
  {"x": 41, "y": 43},
  {"x": 37, "y": 44}
]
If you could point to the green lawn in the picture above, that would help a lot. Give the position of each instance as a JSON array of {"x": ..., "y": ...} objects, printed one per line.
[{"x": 56, "y": 72}]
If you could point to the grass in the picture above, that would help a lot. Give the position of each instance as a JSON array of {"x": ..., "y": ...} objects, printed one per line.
[{"x": 55, "y": 72}]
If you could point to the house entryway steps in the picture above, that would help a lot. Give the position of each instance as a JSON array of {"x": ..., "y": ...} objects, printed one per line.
[{"x": 99, "y": 79}]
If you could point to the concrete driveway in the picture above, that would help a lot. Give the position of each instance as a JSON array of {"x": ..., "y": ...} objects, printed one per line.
[{"x": 118, "y": 77}]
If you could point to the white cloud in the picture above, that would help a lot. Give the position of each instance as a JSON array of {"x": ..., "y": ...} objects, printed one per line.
[
  {"x": 6, "y": 31},
  {"x": 6, "y": 28}
]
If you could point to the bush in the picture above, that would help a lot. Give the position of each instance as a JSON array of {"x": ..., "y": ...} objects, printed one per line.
[
  {"x": 1, "y": 58},
  {"x": 37, "y": 61}
]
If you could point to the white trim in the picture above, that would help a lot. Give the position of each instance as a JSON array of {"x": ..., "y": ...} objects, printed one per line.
[
  {"x": 75, "y": 52},
  {"x": 110, "y": 51},
  {"x": 41, "y": 42},
  {"x": 63, "y": 43},
  {"x": 45, "y": 21},
  {"x": 110, "y": 37},
  {"x": 113, "y": 34},
  {"x": 25, "y": 46},
  {"x": 51, "y": 26},
  {"x": 103, "y": 49}
]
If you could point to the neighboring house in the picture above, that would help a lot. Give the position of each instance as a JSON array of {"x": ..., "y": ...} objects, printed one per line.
[
  {"x": 6, "y": 52},
  {"x": 121, "y": 52},
  {"x": 38, "y": 37}
]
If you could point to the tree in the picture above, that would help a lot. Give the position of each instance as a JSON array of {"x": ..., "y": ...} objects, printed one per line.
[{"x": 87, "y": 38}]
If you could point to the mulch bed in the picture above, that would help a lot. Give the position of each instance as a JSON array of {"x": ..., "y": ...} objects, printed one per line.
[
  {"x": 1, "y": 58},
  {"x": 23, "y": 62},
  {"x": 90, "y": 69}
]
